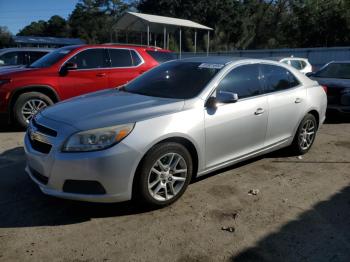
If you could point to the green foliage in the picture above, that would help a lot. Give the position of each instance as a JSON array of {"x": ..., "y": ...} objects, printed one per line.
[
  {"x": 5, "y": 37},
  {"x": 238, "y": 24}
]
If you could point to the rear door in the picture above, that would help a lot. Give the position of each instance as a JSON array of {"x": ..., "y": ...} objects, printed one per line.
[
  {"x": 91, "y": 74},
  {"x": 286, "y": 98},
  {"x": 237, "y": 129},
  {"x": 126, "y": 64}
]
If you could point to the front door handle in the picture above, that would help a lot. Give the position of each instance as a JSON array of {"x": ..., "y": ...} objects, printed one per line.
[
  {"x": 298, "y": 100},
  {"x": 259, "y": 111},
  {"x": 101, "y": 74}
]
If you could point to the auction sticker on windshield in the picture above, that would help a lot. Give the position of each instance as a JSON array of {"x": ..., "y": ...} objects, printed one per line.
[{"x": 214, "y": 66}]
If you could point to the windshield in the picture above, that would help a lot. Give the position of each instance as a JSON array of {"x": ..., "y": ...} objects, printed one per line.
[
  {"x": 52, "y": 58},
  {"x": 335, "y": 70},
  {"x": 179, "y": 80},
  {"x": 161, "y": 57}
]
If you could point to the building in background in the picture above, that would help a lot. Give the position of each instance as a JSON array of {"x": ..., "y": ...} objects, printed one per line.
[{"x": 49, "y": 42}]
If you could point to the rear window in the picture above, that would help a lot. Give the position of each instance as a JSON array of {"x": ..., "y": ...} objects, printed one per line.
[
  {"x": 12, "y": 58},
  {"x": 335, "y": 70},
  {"x": 277, "y": 78},
  {"x": 161, "y": 57},
  {"x": 120, "y": 57},
  {"x": 33, "y": 56}
]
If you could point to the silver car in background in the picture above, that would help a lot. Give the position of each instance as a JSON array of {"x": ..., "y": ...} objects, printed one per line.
[{"x": 183, "y": 119}]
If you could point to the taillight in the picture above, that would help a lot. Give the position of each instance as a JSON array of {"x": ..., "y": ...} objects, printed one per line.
[{"x": 325, "y": 88}]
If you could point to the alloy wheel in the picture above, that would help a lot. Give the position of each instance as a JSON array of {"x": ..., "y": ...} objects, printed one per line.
[
  {"x": 167, "y": 176},
  {"x": 307, "y": 134},
  {"x": 31, "y": 107}
]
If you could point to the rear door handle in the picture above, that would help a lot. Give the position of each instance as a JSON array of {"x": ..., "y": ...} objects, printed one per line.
[
  {"x": 298, "y": 100},
  {"x": 259, "y": 111},
  {"x": 101, "y": 74}
]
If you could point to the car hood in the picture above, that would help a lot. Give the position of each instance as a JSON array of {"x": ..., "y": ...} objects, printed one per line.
[
  {"x": 333, "y": 82},
  {"x": 110, "y": 107},
  {"x": 12, "y": 71}
]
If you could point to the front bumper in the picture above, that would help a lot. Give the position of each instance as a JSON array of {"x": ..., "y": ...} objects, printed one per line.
[{"x": 113, "y": 168}]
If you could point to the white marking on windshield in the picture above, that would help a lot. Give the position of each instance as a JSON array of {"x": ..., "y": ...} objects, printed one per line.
[{"x": 214, "y": 66}]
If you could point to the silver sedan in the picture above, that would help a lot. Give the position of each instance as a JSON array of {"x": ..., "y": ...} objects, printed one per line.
[{"x": 183, "y": 119}]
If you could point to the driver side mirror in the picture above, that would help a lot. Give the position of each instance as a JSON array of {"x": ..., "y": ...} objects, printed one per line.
[
  {"x": 68, "y": 67},
  {"x": 226, "y": 97},
  {"x": 310, "y": 74},
  {"x": 223, "y": 97}
]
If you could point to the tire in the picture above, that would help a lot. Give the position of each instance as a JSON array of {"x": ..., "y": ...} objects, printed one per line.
[
  {"x": 21, "y": 108},
  {"x": 146, "y": 176},
  {"x": 303, "y": 139}
]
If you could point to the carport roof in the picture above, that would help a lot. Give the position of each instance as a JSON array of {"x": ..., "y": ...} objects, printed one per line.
[{"x": 138, "y": 22}]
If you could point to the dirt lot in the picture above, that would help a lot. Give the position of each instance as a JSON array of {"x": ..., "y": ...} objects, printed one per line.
[{"x": 301, "y": 213}]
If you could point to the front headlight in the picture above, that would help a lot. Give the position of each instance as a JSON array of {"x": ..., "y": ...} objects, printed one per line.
[{"x": 97, "y": 139}]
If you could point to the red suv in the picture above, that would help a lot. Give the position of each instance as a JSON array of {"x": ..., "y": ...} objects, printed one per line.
[{"x": 71, "y": 71}]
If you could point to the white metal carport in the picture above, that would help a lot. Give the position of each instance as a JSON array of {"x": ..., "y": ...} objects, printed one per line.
[{"x": 131, "y": 21}]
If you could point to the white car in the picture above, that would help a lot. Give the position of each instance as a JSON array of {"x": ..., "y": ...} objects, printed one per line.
[{"x": 301, "y": 64}]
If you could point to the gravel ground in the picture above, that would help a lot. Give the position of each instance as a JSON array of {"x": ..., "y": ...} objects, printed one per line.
[{"x": 300, "y": 213}]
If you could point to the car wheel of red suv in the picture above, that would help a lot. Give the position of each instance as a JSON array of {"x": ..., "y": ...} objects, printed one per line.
[{"x": 27, "y": 105}]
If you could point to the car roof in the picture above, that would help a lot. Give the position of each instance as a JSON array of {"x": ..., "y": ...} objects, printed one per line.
[
  {"x": 130, "y": 46},
  {"x": 279, "y": 58},
  {"x": 3, "y": 50},
  {"x": 340, "y": 62},
  {"x": 214, "y": 59}
]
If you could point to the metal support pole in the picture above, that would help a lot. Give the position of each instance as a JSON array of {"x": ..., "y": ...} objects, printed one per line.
[
  {"x": 164, "y": 40},
  {"x": 147, "y": 35},
  {"x": 195, "y": 41},
  {"x": 168, "y": 41},
  {"x": 180, "y": 44},
  {"x": 208, "y": 45}
]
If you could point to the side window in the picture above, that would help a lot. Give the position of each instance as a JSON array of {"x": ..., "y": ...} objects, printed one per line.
[
  {"x": 33, "y": 56},
  {"x": 136, "y": 60},
  {"x": 120, "y": 57},
  {"x": 243, "y": 80},
  {"x": 90, "y": 58},
  {"x": 296, "y": 64},
  {"x": 12, "y": 58},
  {"x": 303, "y": 64},
  {"x": 277, "y": 78},
  {"x": 286, "y": 62}
]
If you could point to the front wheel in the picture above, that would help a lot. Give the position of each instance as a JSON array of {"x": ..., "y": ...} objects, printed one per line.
[
  {"x": 27, "y": 105},
  {"x": 164, "y": 174},
  {"x": 305, "y": 135}
]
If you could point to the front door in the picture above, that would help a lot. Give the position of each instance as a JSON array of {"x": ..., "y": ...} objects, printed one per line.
[
  {"x": 91, "y": 74},
  {"x": 237, "y": 129}
]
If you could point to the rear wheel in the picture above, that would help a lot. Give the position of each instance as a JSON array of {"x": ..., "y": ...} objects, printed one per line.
[
  {"x": 164, "y": 174},
  {"x": 305, "y": 135},
  {"x": 27, "y": 105}
]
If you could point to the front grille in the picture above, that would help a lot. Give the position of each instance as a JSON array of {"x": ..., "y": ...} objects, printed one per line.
[
  {"x": 83, "y": 187},
  {"x": 41, "y": 178},
  {"x": 40, "y": 146},
  {"x": 43, "y": 129}
]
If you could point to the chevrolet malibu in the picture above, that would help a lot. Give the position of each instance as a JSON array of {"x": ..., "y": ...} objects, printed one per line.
[{"x": 183, "y": 119}]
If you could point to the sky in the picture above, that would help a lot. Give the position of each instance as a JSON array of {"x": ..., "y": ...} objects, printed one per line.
[{"x": 15, "y": 14}]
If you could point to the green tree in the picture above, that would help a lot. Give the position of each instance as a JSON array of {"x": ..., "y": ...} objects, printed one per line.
[
  {"x": 94, "y": 20},
  {"x": 5, "y": 37},
  {"x": 34, "y": 29}
]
